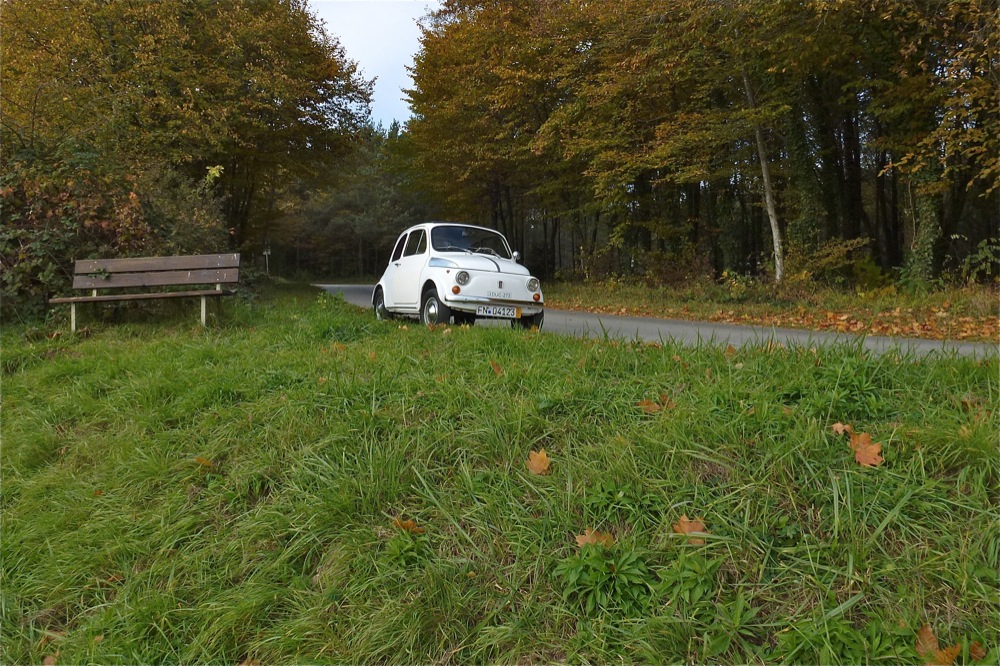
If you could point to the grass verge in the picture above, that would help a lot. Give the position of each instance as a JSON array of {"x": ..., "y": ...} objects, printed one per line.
[
  {"x": 244, "y": 493},
  {"x": 968, "y": 313}
]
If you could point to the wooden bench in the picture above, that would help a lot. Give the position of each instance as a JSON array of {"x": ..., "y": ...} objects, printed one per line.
[{"x": 142, "y": 272}]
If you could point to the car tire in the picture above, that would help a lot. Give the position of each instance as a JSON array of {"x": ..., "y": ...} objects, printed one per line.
[
  {"x": 378, "y": 304},
  {"x": 432, "y": 310},
  {"x": 465, "y": 319},
  {"x": 529, "y": 322}
]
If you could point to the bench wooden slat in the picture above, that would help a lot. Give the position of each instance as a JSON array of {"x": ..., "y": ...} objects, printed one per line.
[
  {"x": 146, "y": 264},
  {"x": 140, "y": 297},
  {"x": 157, "y": 279}
]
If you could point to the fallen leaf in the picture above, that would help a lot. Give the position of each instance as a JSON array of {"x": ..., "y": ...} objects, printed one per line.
[
  {"x": 649, "y": 406},
  {"x": 594, "y": 538},
  {"x": 50, "y": 660},
  {"x": 98, "y": 493},
  {"x": 652, "y": 407},
  {"x": 204, "y": 462},
  {"x": 976, "y": 651},
  {"x": 841, "y": 428},
  {"x": 928, "y": 649},
  {"x": 339, "y": 346},
  {"x": 497, "y": 370},
  {"x": 539, "y": 462},
  {"x": 99, "y": 638},
  {"x": 866, "y": 452},
  {"x": 730, "y": 351},
  {"x": 408, "y": 525},
  {"x": 371, "y": 356},
  {"x": 687, "y": 526}
]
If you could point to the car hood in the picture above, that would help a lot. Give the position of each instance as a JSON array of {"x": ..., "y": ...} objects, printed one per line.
[{"x": 480, "y": 262}]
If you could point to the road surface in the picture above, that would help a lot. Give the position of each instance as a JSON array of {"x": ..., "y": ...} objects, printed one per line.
[{"x": 585, "y": 324}]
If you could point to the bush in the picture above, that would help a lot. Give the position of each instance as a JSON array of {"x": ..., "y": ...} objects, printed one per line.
[{"x": 78, "y": 206}]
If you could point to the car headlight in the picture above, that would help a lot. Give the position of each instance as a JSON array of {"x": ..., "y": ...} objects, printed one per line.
[
  {"x": 532, "y": 285},
  {"x": 462, "y": 278}
]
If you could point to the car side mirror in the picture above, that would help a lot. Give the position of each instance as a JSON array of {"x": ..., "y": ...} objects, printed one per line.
[{"x": 517, "y": 256}]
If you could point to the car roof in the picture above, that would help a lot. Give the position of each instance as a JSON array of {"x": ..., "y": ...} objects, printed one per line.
[{"x": 432, "y": 225}]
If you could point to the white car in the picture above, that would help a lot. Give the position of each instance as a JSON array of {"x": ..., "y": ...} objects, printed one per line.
[{"x": 441, "y": 270}]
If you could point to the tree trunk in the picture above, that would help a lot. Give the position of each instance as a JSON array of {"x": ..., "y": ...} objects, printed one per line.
[{"x": 772, "y": 212}]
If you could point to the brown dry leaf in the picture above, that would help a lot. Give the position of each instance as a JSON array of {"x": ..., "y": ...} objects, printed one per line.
[
  {"x": 976, "y": 651},
  {"x": 204, "y": 462},
  {"x": 594, "y": 538},
  {"x": 927, "y": 648},
  {"x": 866, "y": 452},
  {"x": 99, "y": 638},
  {"x": 339, "y": 346},
  {"x": 98, "y": 493},
  {"x": 497, "y": 370},
  {"x": 408, "y": 525},
  {"x": 687, "y": 526},
  {"x": 539, "y": 462},
  {"x": 371, "y": 356},
  {"x": 841, "y": 428},
  {"x": 649, "y": 406},
  {"x": 730, "y": 351},
  {"x": 50, "y": 660}
]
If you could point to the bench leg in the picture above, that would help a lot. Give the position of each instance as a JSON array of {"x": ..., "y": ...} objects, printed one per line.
[
  {"x": 203, "y": 311},
  {"x": 72, "y": 317}
]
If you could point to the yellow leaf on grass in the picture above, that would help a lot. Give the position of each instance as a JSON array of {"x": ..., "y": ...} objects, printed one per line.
[
  {"x": 928, "y": 650},
  {"x": 408, "y": 525},
  {"x": 841, "y": 428},
  {"x": 204, "y": 462},
  {"x": 497, "y": 370},
  {"x": 686, "y": 526},
  {"x": 539, "y": 463},
  {"x": 866, "y": 452},
  {"x": 594, "y": 538}
]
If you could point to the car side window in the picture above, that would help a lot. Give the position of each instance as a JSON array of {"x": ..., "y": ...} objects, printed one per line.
[
  {"x": 416, "y": 243},
  {"x": 398, "y": 251}
]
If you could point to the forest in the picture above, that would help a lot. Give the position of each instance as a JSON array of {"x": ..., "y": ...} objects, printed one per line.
[{"x": 662, "y": 141}]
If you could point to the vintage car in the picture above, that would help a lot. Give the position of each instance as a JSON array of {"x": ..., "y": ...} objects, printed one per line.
[{"x": 441, "y": 270}]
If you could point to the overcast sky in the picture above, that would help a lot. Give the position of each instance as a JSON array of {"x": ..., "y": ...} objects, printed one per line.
[{"x": 382, "y": 36}]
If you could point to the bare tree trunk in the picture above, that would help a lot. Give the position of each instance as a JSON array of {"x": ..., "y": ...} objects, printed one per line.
[{"x": 772, "y": 213}]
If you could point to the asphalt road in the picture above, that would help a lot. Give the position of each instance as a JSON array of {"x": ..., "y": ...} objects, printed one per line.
[{"x": 585, "y": 324}]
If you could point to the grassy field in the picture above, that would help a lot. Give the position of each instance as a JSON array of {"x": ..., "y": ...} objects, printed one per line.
[
  {"x": 302, "y": 483},
  {"x": 955, "y": 313}
]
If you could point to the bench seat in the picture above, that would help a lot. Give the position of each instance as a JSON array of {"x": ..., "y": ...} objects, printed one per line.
[{"x": 143, "y": 272}]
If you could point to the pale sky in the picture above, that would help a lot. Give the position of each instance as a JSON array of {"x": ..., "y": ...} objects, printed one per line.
[{"x": 382, "y": 37}]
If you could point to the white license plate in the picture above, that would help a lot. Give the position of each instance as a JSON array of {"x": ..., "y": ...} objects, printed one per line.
[{"x": 502, "y": 311}]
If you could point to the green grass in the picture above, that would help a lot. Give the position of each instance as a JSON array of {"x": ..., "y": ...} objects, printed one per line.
[
  {"x": 323, "y": 426},
  {"x": 957, "y": 313}
]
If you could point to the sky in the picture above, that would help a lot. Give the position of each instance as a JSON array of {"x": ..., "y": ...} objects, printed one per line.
[{"x": 382, "y": 37}]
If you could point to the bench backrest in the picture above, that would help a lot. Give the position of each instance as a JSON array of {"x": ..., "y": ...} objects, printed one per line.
[{"x": 156, "y": 271}]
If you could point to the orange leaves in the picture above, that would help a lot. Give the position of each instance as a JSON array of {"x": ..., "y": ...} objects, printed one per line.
[
  {"x": 497, "y": 370},
  {"x": 655, "y": 407},
  {"x": 866, "y": 452},
  {"x": 204, "y": 462},
  {"x": 687, "y": 527},
  {"x": 408, "y": 525},
  {"x": 594, "y": 538},
  {"x": 931, "y": 653},
  {"x": 539, "y": 463}
]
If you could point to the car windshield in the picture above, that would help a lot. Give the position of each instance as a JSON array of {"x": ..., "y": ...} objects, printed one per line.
[{"x": 469, "y": 239}]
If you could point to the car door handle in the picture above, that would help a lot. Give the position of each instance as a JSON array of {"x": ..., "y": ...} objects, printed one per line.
[{"x": 396, "y": 264}]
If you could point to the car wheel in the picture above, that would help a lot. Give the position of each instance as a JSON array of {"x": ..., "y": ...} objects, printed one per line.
[
  {"x": 530, "y": 322},
  {"x": 432, "y": 310},
  {"x": 465, "y": 319},
  {"x": 381, "y": 313}
]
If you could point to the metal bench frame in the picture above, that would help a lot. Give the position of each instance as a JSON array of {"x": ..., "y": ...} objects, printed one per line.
[{"x": 140, "y": 272}]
